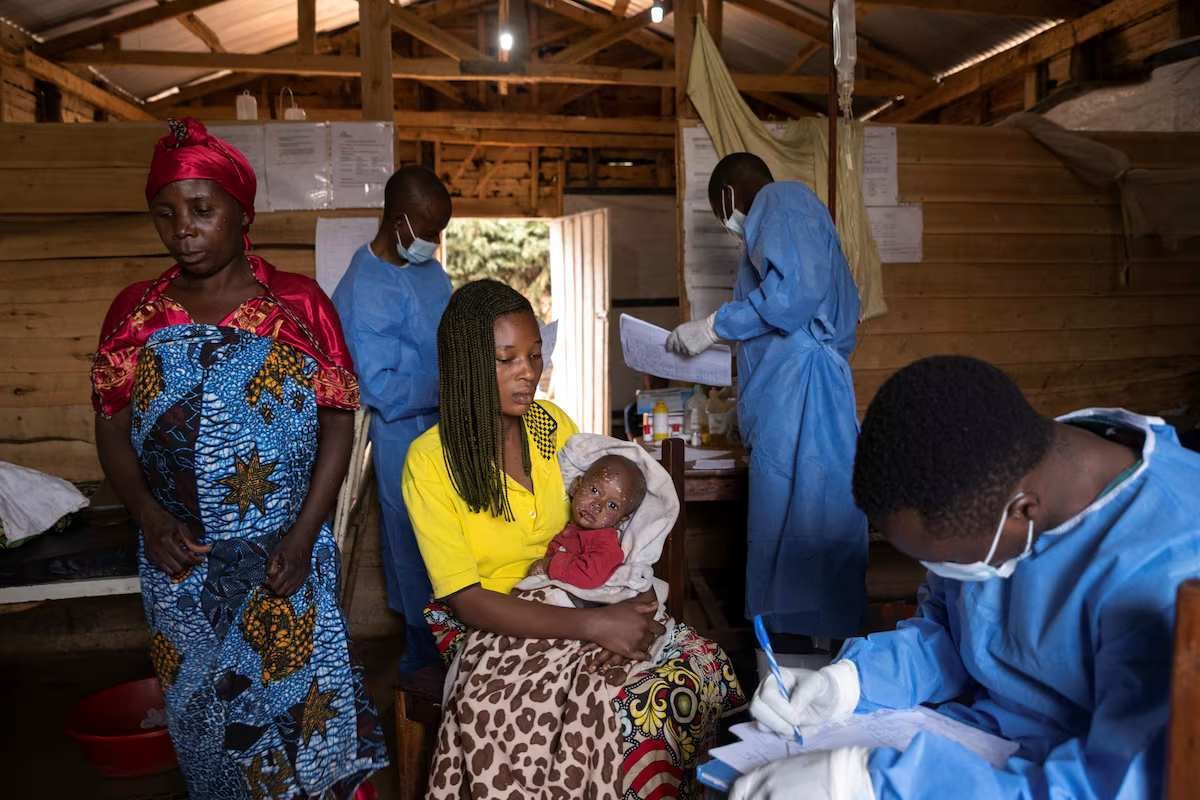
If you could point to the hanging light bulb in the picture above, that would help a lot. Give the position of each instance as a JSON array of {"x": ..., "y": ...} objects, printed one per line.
[
  {"x": 656, "y": 13},
  {"x": 506, "y": 41}
]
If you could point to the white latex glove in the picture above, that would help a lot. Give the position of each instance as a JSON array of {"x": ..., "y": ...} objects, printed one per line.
[
  {"x": 813, "y": 697},
  {"x": 829, "y": 775},
  {"x": 693, "y": 338}
]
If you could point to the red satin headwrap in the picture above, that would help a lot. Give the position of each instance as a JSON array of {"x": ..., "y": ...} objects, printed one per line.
[{"x": 189, "y": 152}]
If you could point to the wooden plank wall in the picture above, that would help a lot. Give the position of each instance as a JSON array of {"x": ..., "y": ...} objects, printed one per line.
[
  {"x": 1024, "y": 266},
  {"x": 73, "y": 232}
]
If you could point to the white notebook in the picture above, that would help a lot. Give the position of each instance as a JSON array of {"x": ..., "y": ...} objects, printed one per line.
[{"x": 888, "y": 728}]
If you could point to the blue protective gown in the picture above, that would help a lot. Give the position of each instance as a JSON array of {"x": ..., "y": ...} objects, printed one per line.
[
  {"x": 794, "y": 314},
  {"x": 1070, "y": 657},
  {"x": 390, "y": 316}
]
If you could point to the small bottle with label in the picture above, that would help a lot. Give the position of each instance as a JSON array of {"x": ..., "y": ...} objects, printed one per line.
[
  {"x": 647, "y": 428},
  {"x": 662, "y": 428}
]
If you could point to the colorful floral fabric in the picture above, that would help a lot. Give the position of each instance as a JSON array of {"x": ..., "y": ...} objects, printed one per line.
[
  {"x": 666, "y": 716},
  {"x": 292, "y": 309},
  {"x": 263, "y": 700}
]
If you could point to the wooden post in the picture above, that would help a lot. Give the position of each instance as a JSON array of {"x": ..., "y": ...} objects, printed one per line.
[
  {"x": 306, "y": 26},
  {"x": 685, "y": 33},
  {"x": 685, "y": 22},
  {"x": 716, "y": 14},
  {"x": 833, "y": 124},
  {"x": 1183, "y": 738},
  {"x": 375, "y": 42},
  {"x": 535, "y": 175}
]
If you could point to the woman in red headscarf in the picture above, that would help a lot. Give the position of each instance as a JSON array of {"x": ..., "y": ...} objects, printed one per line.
[{"x": 224, "y": 395}]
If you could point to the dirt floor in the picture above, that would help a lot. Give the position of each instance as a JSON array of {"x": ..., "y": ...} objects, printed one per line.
[{"x": 38, "y": 760}]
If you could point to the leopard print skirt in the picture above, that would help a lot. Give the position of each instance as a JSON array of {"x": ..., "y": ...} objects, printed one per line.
[{"x": 525, "y": 719}]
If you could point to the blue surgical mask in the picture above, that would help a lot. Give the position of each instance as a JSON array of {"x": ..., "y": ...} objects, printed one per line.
[
  {"x": 735, "y": 221},
  {"x": 419, "y": 251},
  {"x": 983, "y": 570}
]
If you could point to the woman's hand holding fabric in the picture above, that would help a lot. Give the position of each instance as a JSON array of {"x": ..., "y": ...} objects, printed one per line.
[
  {"x": 627, "y": 628},
  {"x": 169, "y": 544},
  {"x": 288, "y": 567}
]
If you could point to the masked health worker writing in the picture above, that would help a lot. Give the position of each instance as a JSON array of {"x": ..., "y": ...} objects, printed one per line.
[{"x": 1054, "y": 549}]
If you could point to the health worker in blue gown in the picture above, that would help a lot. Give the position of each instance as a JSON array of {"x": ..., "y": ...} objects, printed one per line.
[
  {"x": 793, "y": 316},
  {"x": 390, "y": 301},
  {"x": 1055, "y": 549}
]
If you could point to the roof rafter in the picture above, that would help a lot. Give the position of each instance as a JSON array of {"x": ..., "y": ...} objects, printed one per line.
[
  {"x": 425, "y": 31},
  {"x": 1021, "y": 9},
  {"x": 1058, "y": 39},
  {"x": 446, "y": 69},
  {"x": 591, "y": 19},
  {"x": 68, "y": 81},
  {"x": 122, "y": 24},
  {"x": 604, "y": 37},
  {"x": 820, "y": 31}
]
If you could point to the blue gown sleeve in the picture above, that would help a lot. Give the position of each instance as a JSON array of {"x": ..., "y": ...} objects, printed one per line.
[
  {"x": 796, "y": 260},
  {"x": 1122, "y": 753},
  {"x": 391, "y": 389},
  {"x": 914, "y": 664},
  {"x": 393, "y": 383}
]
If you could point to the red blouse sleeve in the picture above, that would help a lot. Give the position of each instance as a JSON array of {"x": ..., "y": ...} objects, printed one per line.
[
  {"x": 335, "y": 383},
  {"x": 121, "y": 338}
]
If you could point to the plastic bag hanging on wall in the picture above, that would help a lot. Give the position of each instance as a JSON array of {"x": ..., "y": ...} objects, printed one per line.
[{"x": 845, "y": 53}]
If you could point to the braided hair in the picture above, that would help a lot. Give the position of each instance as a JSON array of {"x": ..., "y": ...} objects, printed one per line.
[{"x": 469, "y": 397}]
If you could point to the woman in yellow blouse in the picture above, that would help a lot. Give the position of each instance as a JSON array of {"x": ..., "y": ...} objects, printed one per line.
[{"x": 485, "y": 494}]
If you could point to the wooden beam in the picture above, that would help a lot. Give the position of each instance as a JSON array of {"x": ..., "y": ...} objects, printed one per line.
[
  {"x": 643, "y": 39},
  {"x": 189, "y": 93},
  {"x": 790, "y": 107},
  {"x": 620, "y": 8},
  {"x": 1058, "y": 39},
  {"x": 70, "y": 82},
  {"x": 446, "y": 8},
  {"x": 375, "y": 42},
  {"x": 605, "y": 37},
  {"x": 465, "y": 165},
  {"x": 425, "y": 31},
  {"x": 716, "y": 20},
  {"x": 1020, "y": 9},
  {"x": 306, "y": 26},
  {"x": 498, "y": 120},
  {"x": 123, "y": 24},
  {"x": 517, "y": 138},
  {"x": 685, "y": 33},
  {"x": 481, "y": 187},
  {"x": 198, "y": 28},
  {"x": 803, "y": 57},
  {"x": 445, "y": 69},
  {"x": 569, "y": 94},
  {"x": 868, "y": 54}
]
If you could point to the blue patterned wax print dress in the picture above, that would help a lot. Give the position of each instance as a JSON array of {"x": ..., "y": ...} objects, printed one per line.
[{"x": 263, "y": 700}]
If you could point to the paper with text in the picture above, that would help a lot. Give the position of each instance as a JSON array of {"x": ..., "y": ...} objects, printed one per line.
[
  {"x": 338, "y": 239},
  {"x": 644, "y": 346}
]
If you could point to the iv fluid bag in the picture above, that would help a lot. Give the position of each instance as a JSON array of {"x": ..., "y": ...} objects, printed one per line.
[{"x": 845, "y": 51}]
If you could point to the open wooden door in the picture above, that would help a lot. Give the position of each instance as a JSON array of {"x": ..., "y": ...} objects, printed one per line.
[{"x": 579, "y": 271}]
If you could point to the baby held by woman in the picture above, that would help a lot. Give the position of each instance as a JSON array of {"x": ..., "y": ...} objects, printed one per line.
[{"x": 588, "y": 550}]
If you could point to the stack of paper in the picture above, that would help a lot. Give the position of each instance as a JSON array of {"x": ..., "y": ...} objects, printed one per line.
[{"x": 890, "y": 728}]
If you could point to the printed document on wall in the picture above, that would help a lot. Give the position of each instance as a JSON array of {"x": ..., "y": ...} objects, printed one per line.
[
  {"x": 251, "y": 140},
  {"x": 644, "y": 347},
  {"x": 338, "y": 239},
  {"x": 298, "y": 173},
  {"x": 897, "y": 231},
  {"x": 362, "y": 162},
  {"x": 880, "y": 181}
]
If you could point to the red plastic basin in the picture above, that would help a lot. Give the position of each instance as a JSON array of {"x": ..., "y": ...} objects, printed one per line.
[{"x": 107, "y": 726}]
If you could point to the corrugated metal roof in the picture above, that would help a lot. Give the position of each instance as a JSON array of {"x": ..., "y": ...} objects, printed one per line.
[{"x": 935, "y": 42}]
